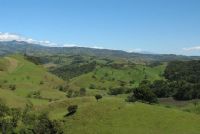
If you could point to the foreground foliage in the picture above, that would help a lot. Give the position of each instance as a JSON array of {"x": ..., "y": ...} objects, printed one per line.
[{"x": 13, "y": 120}]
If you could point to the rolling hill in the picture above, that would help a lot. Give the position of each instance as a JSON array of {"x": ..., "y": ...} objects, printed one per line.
[
  {"x": 113, "y": 115},
  {"x": 20, "y": 78}
]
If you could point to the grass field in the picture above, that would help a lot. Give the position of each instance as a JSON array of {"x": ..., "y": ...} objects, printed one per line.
[
  {"x": 27, "y": 78},
  {"x": 114, "y": 115},
  {"x": 106, "y": 77}
]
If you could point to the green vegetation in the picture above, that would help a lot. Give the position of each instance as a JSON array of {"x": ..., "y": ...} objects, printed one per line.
[
  {"x": 104, "y": 78},
  {"x": 22, "y": 80},
  {"x": 114, "y": 115},
  {"x": 96, "y": 95},
  {"x": 13, "y": 120},
  {"x": 185, "y": 78}
]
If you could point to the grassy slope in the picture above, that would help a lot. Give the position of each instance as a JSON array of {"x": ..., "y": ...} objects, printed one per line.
[
  {"x": 114, "y": 116},
  {"x": 128, "y": 74},
  {"x": 27, "y": 77}
]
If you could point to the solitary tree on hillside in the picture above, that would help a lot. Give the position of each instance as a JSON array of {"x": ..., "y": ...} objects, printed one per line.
[
  {"x": 98, "y": 96},
  {"x": 72, "y": 109}
]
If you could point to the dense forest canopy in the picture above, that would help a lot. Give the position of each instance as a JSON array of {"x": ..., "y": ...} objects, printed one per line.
[{"x": 179, "y": 70}]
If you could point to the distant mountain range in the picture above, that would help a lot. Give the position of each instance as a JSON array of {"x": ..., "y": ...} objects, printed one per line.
[{"x": 11, "y": 47}]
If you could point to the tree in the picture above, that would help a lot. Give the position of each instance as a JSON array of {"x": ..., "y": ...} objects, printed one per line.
[
  {"x": 184, "y": 91},
  {"x": 143, "y": 93},
  {"x": 5, "y": 122},
  {"x": 30, "y": 123},
  {"x": 72, "y": 109},
  {"x": 3, "y": 113},
  {"x": 98, "y": 97},
  {"x": 161, "y": 88},
  {"x": 15, "y": 113},
  {"x": 44, "y": 125}
]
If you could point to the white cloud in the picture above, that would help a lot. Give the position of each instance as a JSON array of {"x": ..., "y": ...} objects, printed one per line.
[
  {"x": 97, "y": 47},
  {"x": 10, "y": 37},
  {"x": 137, "y": 50},
  {"x": 197, "y": 48},
  {"x": 17, "y": 37},
  {"x": 70, "y": 45}
]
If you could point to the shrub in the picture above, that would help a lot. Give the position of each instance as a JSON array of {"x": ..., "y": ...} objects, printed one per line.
[
  {"x": 12, "y": 87},
  {"x": 116, "y": 91},
  {"x": 69, "y": 93},
  {"x": 41, "y": 82},
  {"x": 63, "y": 88},
  {"x": 122, "y": 83},
  {"x": 132, "y": 82},
  {"x": 94, "y": 77},
  {"x": 92, "y": 86},
  {"x": 34, "y": 94},
  {"x": 82, "y": 91}
]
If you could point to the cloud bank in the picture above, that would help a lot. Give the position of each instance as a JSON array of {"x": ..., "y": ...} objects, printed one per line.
[
  {"x": 190, "y": 49},
  {"x": 17, "y": 37}
]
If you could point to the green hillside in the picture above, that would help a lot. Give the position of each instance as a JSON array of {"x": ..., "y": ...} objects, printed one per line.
[
  {"x": 114, "y": 116},
  {"x": 20, "y": 79},
  {"x": 103, "y": 78}
]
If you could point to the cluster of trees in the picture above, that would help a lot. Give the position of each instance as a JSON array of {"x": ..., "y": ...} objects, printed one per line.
[
  {"x": 188, "y": 71},
  {"x": 143, "y": 93},
  {"x": 179, "y": 90},
  {"x": 182, "y": 82},
  {"x": 36, "y": 60},
  {"x": 17, "y": 121},
  {"x": 69, "y": 71},
  {"x": 184, "y": 78},
  {"x": 119, "y": 90}
]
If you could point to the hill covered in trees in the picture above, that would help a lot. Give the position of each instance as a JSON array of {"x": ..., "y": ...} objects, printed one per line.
[{"x": 11, "y": 47}]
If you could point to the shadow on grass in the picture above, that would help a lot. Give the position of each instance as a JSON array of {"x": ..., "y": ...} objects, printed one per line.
[{"x": 70, "y": 114}]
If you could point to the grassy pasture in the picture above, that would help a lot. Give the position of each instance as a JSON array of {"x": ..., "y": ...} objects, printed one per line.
[
  {"x": 27, "y": 78},
  {"x": 114, "y": 116}
]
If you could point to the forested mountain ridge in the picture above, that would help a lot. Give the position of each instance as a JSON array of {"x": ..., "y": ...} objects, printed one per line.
[{"x": 10, "y": 47}]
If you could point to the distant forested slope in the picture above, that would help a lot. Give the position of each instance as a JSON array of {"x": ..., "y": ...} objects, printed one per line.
[{"x": 11, "y": 47}]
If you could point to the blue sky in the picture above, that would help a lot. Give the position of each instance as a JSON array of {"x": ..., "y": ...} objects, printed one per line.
[{"x": 158, "y": 26}]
